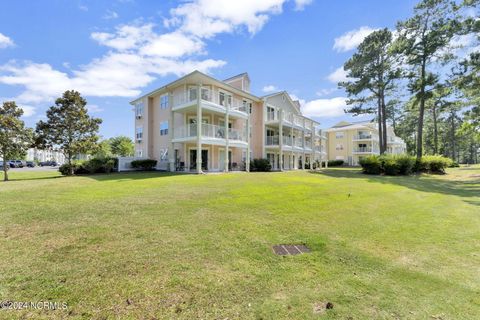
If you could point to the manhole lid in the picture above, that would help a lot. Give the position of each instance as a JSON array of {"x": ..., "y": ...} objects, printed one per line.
[{"x": 290, "y": 249}]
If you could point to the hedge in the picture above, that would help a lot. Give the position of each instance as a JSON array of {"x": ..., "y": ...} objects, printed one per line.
[
  {"x": 403, "y": 164},
  {"x": 260, "y": 165},
  {"x": 335, "y": 163},
  {"x": 146, "y": 164},
  {"x": 95, "y": 165}
]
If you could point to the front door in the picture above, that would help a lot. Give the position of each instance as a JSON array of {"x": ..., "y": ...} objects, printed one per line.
[{"x": 193, "y": 159}]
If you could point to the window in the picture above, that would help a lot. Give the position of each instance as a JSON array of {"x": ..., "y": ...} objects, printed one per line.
[
  {"x": 139, "y": 110},
  {"x": 139, "y": 153},
  {"x": 206, "y": 94},
  {"x": 224, "y": 99},
  {"x": 339, "y": 146},
  {"x": 139, "y": 134},
  {"x": 247, "y": 106},
  {"x": 192, "y": 93},
  {"x": 164, "y": 101},
  {"x": 163, "y": 128},
  {"x": 339, "y": 135}
]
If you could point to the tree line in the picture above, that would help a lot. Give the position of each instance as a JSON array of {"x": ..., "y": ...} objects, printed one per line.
[
  {"x": 67, "y": 127},
  {"x": 423, "y": 79}
]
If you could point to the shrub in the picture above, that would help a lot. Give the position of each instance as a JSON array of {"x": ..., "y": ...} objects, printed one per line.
[
  {"x": 95, "y": 165},
  {"x": 389, "y": 165},
  {"x": 435, "y": 164},
  {"x": 147, "y": 164},
  {"x": 100, "y": 165},
  {"x": 260, "y": 165},
  {"x": 454, "y": 164},
  {"x": 335, "y": 163},
  {"x": 371, "y": 165},
  {"x": 65, "y": 169},
  {"x": 405, "y": 164}
]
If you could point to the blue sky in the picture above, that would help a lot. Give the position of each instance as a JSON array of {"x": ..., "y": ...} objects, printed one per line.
[{"x": 112, "y": 51}]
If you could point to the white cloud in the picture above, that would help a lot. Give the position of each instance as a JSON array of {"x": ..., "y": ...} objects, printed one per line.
[
  {"x": 93, "y": 108},
  {"x": 139, "y": 53},
  {"x": 5, "y": 41},
  {"x": 206, "y": 18},
  {"x": 82, "y": 7},
  {"x": 28, "y": 111},
  {"x": 325, "y": 92},
  {"x": 301, "y": 4},
  {"x": 110, "y": 15},
  {"x": 325, "y": 108},
  {"x": 338, "y": 75},
  {"x": 351, "y": 39},
  {"x": 269, "y": 88}
]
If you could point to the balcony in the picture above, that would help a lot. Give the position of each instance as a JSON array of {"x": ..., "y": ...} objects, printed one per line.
[
  {"x": 186, "y": 99},
  {"x": 272, "y": 141},
  {"x": 298, "y": 143},
  {"x": 271, "y": 116},
  {"x": 287, "y": 141},
  {"x": 365, "y": 150},
  {"x": 365, "y": 136},
  {"x": 298, "y": 121},
  {"x": 211, "y": 134}
]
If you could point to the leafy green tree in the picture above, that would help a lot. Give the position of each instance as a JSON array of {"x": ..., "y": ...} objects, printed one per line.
[
  {"x": 69, "y": 127},
  {"x": 122, "y": 146},
  {"x": 423, "y": 39},
  {"x": 373, "y": 71},
  {"x": 15, "y": 138},
  {"x": 103, "y": 149}
]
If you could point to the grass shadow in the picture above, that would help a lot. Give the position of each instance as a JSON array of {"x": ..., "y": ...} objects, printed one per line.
[
  {"x": 132, "y": 175},
  {"x": 464, "y": 189}
]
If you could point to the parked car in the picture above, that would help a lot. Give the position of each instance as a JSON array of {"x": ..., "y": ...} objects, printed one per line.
[
  {"x": 17, "y": 163},
  {"x": 30, "y": 164},
  {"x": 48, "y": 164}
]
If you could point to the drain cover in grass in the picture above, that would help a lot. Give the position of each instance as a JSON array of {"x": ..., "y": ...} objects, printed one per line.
[{"x": 290, "y": 249}]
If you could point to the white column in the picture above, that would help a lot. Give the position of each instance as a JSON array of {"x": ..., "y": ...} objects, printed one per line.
[
  {"x": 247, "y": 158},
  {"x": 171, "y": 126},
  {"x": 303, "y": 140},
  {"x": 291, "y": 152},
  {"x": 227, "y": 142},
  {"x": 199, "y": 129},
  {"x": 280, "y": 138}
]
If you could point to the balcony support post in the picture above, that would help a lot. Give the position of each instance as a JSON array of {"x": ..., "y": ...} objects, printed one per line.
[
  {"x": 199, "y": 129},
  {"x": 280, "y": 139},
  {"x": 247, "y": 157},
  {"x": 171, "y": 126},
  {"x": 303, "y": 141},
  {"x": 291, "y": 162},
  {"x": 227, "y": 142}
]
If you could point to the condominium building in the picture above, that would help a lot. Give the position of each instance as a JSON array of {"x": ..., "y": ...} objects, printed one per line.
[
  {"x": 351, "y": 142},
  {"x": 198, "y": 123},
  {"x": 42, "y": 155}
]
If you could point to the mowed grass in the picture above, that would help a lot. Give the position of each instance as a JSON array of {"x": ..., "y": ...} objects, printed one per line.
[{"x": 162, "y": 246}]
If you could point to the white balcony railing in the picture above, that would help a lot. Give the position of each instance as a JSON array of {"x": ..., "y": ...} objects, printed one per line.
[
  {"x": 287, "y": 141},
  {"x": 298, "y": 143},
  {"x": 209, "y": 131},
  {"x": 209, "y": 95},
  {"x": 272, "y": 141},
  {"x": 365, "y": 136},
  {"x": 365, "y": 149},
  {"x": 298, "y": 121}
]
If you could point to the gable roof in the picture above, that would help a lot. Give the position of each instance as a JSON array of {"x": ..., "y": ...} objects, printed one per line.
[
  {"x": 201, "y": 75},
  {"x": 241, "y": 75}
]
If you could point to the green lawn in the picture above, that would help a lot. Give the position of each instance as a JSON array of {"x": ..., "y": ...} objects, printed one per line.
[{"x": 161, "y": 246}]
